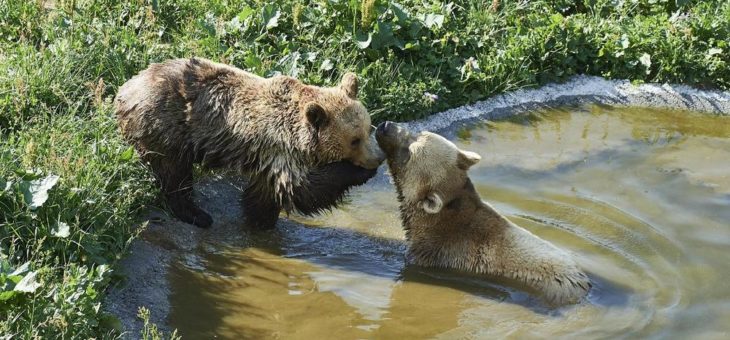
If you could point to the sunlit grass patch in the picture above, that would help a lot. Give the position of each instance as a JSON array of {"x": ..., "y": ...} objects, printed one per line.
[
  {"x": 71, "y": 189},
  {"x": 68, "y": 202}
]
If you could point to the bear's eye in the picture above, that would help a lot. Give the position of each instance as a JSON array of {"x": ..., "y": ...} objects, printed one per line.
[{"x": 355, "y": 142}]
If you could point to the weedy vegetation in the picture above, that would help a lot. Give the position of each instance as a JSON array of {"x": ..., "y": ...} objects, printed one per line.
[{"x": 71, "y": 190}]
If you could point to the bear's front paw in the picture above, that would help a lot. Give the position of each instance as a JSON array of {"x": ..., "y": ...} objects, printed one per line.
[
  {"x": 361, "y": 175},
  {"x": 567, "y": 288},
  {"x": 348, "y": 174}
]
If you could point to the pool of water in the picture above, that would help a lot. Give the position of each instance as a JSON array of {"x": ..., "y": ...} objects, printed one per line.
[{"x": 640, "y": 196}]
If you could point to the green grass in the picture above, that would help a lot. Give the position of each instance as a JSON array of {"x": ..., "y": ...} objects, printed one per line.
[{"x": 62, "y": 61}]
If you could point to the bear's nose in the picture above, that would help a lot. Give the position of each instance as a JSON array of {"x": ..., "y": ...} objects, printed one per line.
[{"x": 384, "y": 126}]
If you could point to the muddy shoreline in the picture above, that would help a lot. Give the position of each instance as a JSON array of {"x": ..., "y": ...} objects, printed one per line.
[{"x": 166, "y": 241}]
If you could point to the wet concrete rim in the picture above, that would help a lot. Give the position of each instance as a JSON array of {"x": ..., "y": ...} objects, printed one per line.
[{"x": 166, "y": 240}]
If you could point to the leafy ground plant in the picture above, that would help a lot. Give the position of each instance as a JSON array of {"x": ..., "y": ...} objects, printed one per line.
[
  {"x": 150, "y": 330},
  {"x": 71, "y": 189}
]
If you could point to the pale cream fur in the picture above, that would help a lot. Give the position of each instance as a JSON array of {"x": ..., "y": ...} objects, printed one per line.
[{"x": 448, "y": 225}]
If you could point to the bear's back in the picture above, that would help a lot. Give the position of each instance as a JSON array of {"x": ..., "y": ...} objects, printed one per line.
[{"x": 164, "y": 104}]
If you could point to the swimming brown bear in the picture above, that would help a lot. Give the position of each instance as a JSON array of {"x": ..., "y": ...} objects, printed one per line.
[
  {"x": 448, "y": 225},
  {"x": 302, "y": 146}
]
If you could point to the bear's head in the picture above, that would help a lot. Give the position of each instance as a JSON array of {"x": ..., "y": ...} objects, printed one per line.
[
  {"x": 341, "y": 124},
  {"x": 429, "y": 171}
]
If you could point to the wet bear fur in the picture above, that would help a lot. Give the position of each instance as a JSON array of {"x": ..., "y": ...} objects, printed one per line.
[
  {"x": 302, "y": 146},
  {"x": 448, "y": 225}
]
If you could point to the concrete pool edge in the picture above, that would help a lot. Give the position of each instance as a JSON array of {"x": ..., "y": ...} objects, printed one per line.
[
  {"x": 167, "y": 240},
  {"x": 578, "y": 90}
]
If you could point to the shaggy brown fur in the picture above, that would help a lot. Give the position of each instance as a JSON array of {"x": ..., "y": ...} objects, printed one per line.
[
  {"x": 286, "y": 135},
  {"x": 448, "y": 225}
]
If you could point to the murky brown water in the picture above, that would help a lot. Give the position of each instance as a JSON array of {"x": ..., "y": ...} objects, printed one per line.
[{"x": 642, "y": 197}]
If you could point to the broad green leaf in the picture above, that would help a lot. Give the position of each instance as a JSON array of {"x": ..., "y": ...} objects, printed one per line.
[
  {"x": 35, "y": 192},
  {"x": 5, "y": 185},
  {"x": 102, "y": 270},
  {"x": 21, "y": 270},
  {"x": 270, "y": 15},
  {"x": 474, "y": 64},
  {"x": 625, "y": 41},
  {"x": 433, "y": 20},
  {"x": 645, "y": 60},
  {"x": 326, "y": 65},
  {"x": 4, "y": 296},
  {"x": 90, "y": 291},
  {"x": 413, "y": 46},
  {"x": 127, "y": 154},
  {"x": 400, "y": 12},
  {"x": 5, "y": 267},
  {"x": 556, "y": 18},
  {"x": 15, "y": 278},
  {"x": 252, "y": 61},
  {"x": 28, "y": 175},
  {"x": 363, "y": 44},
  {"x": 61, "y": 230},
  {"x": 28, "y": 284},
  {"x": 244, "y": 13},
  {"x": 290, "y": 63},
  {"x": 714, "y": 51},
  {"x": 384, "y": 36}
]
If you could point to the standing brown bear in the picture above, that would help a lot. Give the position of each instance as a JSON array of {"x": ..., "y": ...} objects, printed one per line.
[{"x": 302, "y": 146}]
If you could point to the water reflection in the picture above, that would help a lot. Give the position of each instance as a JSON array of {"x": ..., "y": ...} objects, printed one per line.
[{"x": 640, "y": 196}]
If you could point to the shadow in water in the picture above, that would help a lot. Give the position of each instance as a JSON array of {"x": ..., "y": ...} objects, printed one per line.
[
  {"x": 339, "y": 277},
  {"x": 384, "y": 257}
]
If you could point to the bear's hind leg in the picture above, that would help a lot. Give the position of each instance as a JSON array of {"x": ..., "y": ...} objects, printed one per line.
[{"x": 176, "y": 180}]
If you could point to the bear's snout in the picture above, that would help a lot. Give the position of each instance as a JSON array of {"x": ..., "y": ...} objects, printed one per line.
[
  {"x": 390, "y": 136},
  {"x": 384, "y": 127},
  {"x": 374, "y": 156}
]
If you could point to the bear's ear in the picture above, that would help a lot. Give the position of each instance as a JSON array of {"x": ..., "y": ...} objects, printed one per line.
[
  {"x": 349, "y": 85},
  {"x": 316, "y": 115},
  {"x": 466, "y": 159},
  {"x": 432, "y": 203}
]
